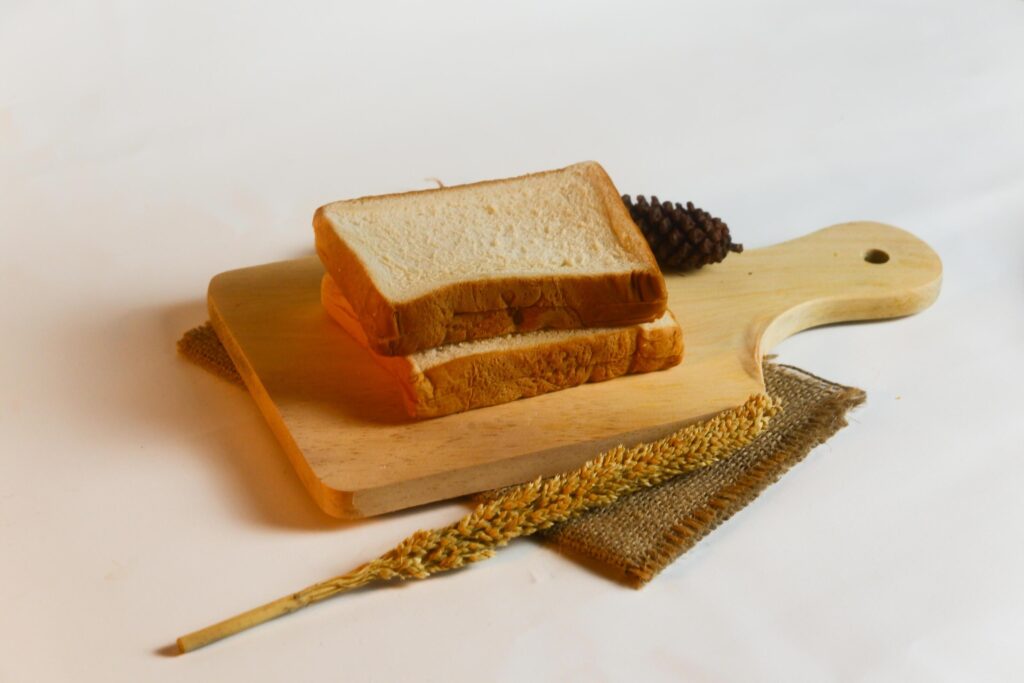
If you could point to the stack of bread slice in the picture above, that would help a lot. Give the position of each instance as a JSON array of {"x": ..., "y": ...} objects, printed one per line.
[{"x": 485, "y": 293}]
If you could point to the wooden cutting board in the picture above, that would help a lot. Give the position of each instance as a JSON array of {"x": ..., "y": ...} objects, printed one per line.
[{"x": 341, "y": 422}]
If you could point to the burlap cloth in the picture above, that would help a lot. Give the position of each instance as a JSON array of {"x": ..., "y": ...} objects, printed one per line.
[{"x": 638, "y": 536}]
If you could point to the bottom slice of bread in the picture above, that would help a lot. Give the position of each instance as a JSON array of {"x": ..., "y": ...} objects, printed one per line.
[{"x": 457, "y": 377}]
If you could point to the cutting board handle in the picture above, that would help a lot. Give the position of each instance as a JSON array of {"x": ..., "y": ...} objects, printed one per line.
[{"x": 852, "y": 271}]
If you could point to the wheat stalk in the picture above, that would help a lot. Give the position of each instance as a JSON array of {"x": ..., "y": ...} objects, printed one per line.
[{"x": 524, "y": 510}]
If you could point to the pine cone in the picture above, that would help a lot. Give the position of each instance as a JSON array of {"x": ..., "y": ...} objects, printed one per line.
[{"x": 681, "y": 237}]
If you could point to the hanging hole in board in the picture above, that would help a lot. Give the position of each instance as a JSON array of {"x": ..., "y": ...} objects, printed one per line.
[{"x": 876, "y": 256}]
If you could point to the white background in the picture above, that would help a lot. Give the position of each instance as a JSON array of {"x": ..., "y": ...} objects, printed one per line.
[{"x": 146, "y": 146}]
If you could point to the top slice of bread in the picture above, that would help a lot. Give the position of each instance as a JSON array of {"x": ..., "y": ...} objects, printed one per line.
[{"x": 552, "y": 250}]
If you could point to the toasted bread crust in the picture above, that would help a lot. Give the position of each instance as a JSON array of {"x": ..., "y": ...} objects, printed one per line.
[
  {"x": 479, "y": 309},
  {"x": 495, "y": 377}
]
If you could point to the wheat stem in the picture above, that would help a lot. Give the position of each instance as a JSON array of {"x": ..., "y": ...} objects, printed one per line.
[{"x": 524, "y": 510}]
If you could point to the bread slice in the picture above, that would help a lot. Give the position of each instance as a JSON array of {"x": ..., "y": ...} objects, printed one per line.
[
  {"x": 466, "y": 375},
  {"x": 552, "y": 250}
]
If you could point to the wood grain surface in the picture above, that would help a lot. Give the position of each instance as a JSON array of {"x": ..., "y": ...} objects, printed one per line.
[{"x": 340, "y": 418}]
